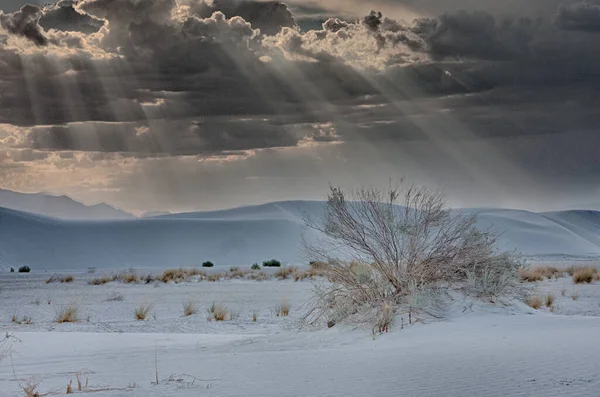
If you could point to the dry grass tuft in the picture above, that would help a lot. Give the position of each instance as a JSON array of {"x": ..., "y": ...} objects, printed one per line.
[
  {"x": 283, "y": 309},
  {"x": 190, "y": 307},
  {"x": 575, "y": 295},
  {"x": 174, "y": 275},
  {"x": 68, "y": 314},
  {"x": 218, "y": 312},
  {"x": 285, "y": 272},
  {"x": 29, "y": 388},
  {"x": 549, "y": 300},
  {"x": 101, "y": 280},
  {"x": 115, "y": 297},
  {"x": 142, "y": 311},
  {"x": 128, "y": 277},
  {"x": 214, "y": 277},
  {"x": 25, "y": 320},
  {"x": 259, "y": 276},
  {"x": 385, "y": 318},
  {"x": 67, "y": 279},
  {"x": 255, "y": 316},
  {"x": 531, "y": 275},
  {"x": 534, "y": 302},
  {"x": 584, "y": 275}
]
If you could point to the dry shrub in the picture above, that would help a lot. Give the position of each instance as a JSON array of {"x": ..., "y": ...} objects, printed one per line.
[
  {"x": 549, "y": 300},
  {"x": 531, "y": 275},
  {"x": 190, "y": 307},
  {"x": 255, "y": 316},
  {"x": 174, "y": 275},
  {"x": 67, "y": 314},
  {"x": 214, "y": 277},
  {"x": 283, "y": 309},
  {"x": 101, "y": 280},
  {"x": 236, "y": 272},
  {"x": 218, "y": 312},
  {"x": 142, "y": 311},
  {"x": 575, "y": 295},
  {"x": 52, "y": 279},
  {"x": 29, "y": 387},
  {"x": 584, "y": 275},
  {"x": 385, "y": 318},
  {"x": 25, "y": 320},
  {"x": 259, "y": 276},
  {"x": 67, "y": 279},
  {"x": 127, "y": 277},
  {"x": 404, "y": 241},
  {"x": 534, "y": 302},
  {"x": 115, "y": 297},
  {"x": 285, "y": 272}
]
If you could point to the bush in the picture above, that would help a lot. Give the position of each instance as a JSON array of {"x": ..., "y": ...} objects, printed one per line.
[
  {"x": 399, "y": 248},
  {"x": 68, "y": 314},
  {"x": 585, "y": 275},
  {"x": 208, "y": 264},
  {"x": 12, "y": 269},
  {"x": 535, "y": 302},
  {"x": 190, "y": 307},
  {"x": 218, "y": 312},
  {"x": 141, "y": 312},
  {"x": 24, "y": 269},
  {"x": 272, "y": 263},
  {"x": 255, "y": 266}
]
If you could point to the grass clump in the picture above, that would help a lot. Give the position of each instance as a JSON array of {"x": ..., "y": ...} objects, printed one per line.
[
  {"x": 101, "y": 280},
  {"x": 25, "y": 320},
  {"x": 534, "y": 302},
  {"x": 272, "y": 263},
  {"x": 218, "y": 312},
  {"x": 142, "y": 311},
  {"x": 190, "y": 307},
  {"x": 255, "y": 316},
  {"x": 67, "y": 279},
  {"x": 285, "y": 272},
  {"x": 115, "y": 297},
  {"x": 255, "y": 266},
  {"x": 584, "y": 275},
  {"x": 549, "y": 301},
  {"x": 68, "y": 314},
  {"x": 283, "y": 309},
  {"x": 531, "y": 275},
  {"x": 575, "y": 295}
]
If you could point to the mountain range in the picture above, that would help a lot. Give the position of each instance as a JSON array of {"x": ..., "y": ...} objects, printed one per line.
[{"x": 244, "y": 235}]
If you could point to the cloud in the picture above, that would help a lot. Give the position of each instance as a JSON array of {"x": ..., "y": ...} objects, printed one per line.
[
  {"x": 583, "y": 17},
  {"x": 267, "y": 16},
  {"x": 63, "y": 16},
  {"x": 25, "y": 23}
]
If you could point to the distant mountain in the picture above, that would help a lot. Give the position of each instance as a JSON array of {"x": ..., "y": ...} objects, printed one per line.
[
  {"x": 59, "y": 206},
  {"x": 150, "y": 214},
  {"x": 242, "y": 236}
]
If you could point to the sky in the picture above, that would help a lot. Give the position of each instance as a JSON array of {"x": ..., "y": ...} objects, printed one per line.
[{"x": 194, "y": 105}]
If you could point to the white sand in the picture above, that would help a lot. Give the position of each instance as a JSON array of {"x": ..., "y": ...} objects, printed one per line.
[{"x": 486, "y": 351}]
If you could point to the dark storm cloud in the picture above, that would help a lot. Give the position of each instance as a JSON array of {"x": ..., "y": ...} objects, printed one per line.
[
  {"x": 268, "y": 16},
  {"x": 583, "y": 17},
  {"x": 180, "y": 78},
  {"x": 63, "y": 16},
  {"x": 25, "y": 23}
]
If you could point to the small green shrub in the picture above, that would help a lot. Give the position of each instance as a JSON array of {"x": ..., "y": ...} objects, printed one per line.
[
  {"x": 208, "y": 264},
  {"x": 272, "y": 263},
  {"x": 24, "y": 269},
  {"x": 255, "y": 266}
]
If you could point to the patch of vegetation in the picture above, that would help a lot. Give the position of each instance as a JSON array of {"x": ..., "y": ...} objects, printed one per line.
[
  {"x": 24, "y": 269},
  {"x": 272, "y": 263},
  {"x": 534, "y": 302},
  {"x": 208, "y": 264},
  {"x": 68, "y": 314},
  {"x": 584, "y": 275},
  {"x": 142, "y": 311},
  {"x": 255, "y": 266}
]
